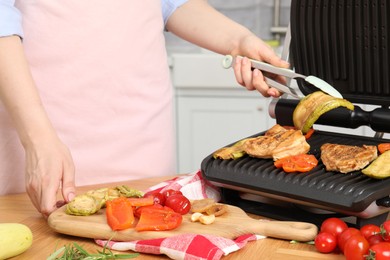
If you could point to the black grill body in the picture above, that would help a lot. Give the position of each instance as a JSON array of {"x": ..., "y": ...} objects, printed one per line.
[
  {"x": 347, "y": 44},
  {"x": 351, "y": 192}
]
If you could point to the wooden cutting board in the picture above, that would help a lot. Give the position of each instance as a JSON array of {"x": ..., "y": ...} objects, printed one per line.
[{"x": 230, "y": 225}]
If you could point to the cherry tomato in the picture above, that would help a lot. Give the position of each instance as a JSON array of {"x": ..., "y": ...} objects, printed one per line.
[
  {"x": 158, "y": 197},
  {"x": 385, "y": 230},
  {"x": 369, "y": 230},
  {"x": 380, "y": 251},
  {"x": 343, "y": 237},
  {"x": 334, "y": 226},
  {"x": 179, "y": 203},
  {"x": 325, "y": 242},
  {"x": 171, "y": 192},
  {"x": 356, "y": 248},
  {"x": 375, "y": 239}
]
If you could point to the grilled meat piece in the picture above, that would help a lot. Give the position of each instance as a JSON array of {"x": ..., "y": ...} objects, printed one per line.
[
  {"x": 293, "y": 145},
  {"x": 277, "y": 143},
  {"x": 347, "y": 158}
]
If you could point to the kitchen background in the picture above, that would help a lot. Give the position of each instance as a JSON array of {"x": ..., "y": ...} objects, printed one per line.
[
  {"x": 257, "y": 15},
  {"x": 211, "y": 109}
]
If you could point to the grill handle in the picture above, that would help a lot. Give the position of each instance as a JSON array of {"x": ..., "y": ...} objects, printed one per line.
[
  {"x": 379, "y": 119},
  {"x": 384, "y": 202}
]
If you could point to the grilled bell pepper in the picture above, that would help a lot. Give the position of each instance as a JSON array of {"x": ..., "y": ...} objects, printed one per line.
[
  {"x": 383, "y": 147},
  {"x": 119, "y": 213},
  {"x": 313, "y": 106},
  {"x": 153, "y": 219},
  {"x": 297, "y": 163},
  {"x": 138, "y": 202}
]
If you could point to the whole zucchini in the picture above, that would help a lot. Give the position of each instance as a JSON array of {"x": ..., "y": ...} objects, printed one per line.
[{"x": 15, "y": 238}]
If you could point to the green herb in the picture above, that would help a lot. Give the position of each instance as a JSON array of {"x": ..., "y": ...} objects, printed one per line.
[
  {"x": 77, "y": 252},
  {"x": 299, "y": 242}
]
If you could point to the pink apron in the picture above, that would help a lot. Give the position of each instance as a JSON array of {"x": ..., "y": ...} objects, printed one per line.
[{"x": 102, "y": 73}]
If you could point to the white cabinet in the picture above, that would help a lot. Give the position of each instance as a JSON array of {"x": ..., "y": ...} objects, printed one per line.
[{"x": 212, "y": 110}]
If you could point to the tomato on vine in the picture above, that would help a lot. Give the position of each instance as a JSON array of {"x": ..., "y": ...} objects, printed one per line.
[
  {"x": 170, "y": 192},
  {"x": 385, "y": 230},
  {"x": 356, "y": 248},
  {"x": 325, "y": 242},
  {"x": 343, "y": 237},
  {"x": 158, "y": 197},
  {"x": 375, "y": 239},
  {"x": 334, "y": 226},
  {"x": 380, "y": 251},
  {"x": 179, "y": 203},
  {"x": 369, "y": 230}
]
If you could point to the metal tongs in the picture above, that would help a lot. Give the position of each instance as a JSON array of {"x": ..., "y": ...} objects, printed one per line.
[{"x": 229, "y": 60}]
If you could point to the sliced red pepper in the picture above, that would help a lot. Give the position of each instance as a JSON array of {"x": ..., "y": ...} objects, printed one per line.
[
  {"x": 309, "y": 133},
  {"x": 297, "y": 163},
  {"x": 279, "y": 163},
  {"x": 158, "y": 219},
  {"x": 138, "y": 202},
  {"x": 383, "y": 147},
  {"x": 119, "y": 213},
  {"x": 138, "y": 211}
]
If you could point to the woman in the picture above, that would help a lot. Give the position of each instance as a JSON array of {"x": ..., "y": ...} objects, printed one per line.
[{"x": 95, "y": 79}]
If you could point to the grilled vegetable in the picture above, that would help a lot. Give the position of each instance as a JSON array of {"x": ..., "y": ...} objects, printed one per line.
[
  {"x": 93, "y": 200},
  {"x": 119, "y": 213},
  {"x": 297, "y": 163},
  {"x": 313, "y": 106},
  {"x": 129, "y": 192},
  {"x": 202, "y": 205},
  {"x": 380, "y": 167},
  {"x": 383, "y": 147},
  {"x": 158, "y": 220},
  {"x": 217, "y": 210},
  {"x": 83, "y": 205},
  {"x": 15, "y": 238},
  {"x": 233, "y": 152},
  {"x": 102, "y": 195}
]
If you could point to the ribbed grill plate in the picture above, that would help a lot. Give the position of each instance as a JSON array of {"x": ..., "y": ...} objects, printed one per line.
[{"x": 352, "y": 191}]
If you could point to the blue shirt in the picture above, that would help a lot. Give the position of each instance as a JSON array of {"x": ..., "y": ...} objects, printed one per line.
[{"x": 11, "y": 19}]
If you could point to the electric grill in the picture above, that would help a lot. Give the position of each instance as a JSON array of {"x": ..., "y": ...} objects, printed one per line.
[{"x": 345, "y": 43}]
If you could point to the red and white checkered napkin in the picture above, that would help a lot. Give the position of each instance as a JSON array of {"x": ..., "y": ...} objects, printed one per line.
[
  {"x": 193, "y": 186},
  {"x": 186, "y": 246}
]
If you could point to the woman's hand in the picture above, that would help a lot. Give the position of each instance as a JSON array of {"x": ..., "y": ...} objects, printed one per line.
[
  {"x": 49, "y": 167},
  {"x": 253, "y": 47},
  {"x": 49, "y": 164},
  {"x": 198, "y": 22}
]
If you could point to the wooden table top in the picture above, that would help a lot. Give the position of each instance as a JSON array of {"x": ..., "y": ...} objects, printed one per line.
[{"x": 18, "y": 208}]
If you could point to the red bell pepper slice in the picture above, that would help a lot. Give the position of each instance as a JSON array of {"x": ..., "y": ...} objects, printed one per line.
[
  {"x": 119, "y": 213},
  {"x": 138, "y": 202},
  {"x": 153, "y": 219},
  {"x": 309, "y": 133},
  {"x": 297, "y": 163},
  {"x": 383, "y": 147},
  {"x": 138, "y": 211}
]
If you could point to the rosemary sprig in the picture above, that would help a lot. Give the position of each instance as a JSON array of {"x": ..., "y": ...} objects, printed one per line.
[{"x": 77, "y": 252}]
